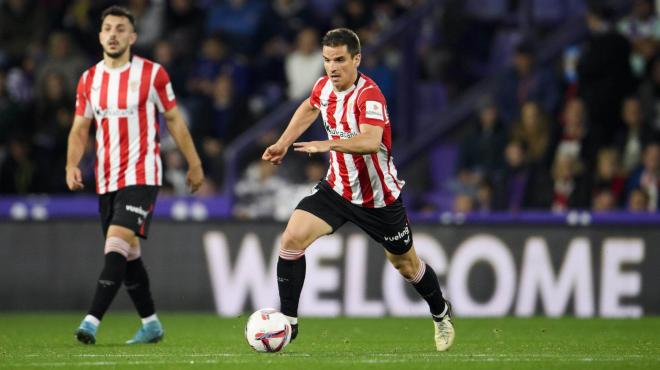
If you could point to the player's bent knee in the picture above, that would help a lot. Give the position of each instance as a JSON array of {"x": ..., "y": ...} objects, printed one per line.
[
  {"x": 293, "y": 242},
  {"x": 117, "y": 245}
]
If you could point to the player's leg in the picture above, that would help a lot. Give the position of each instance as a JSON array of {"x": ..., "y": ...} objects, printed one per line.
[
  {"x": 117, "y": 248},
  {"x": 425, "y": 282},
  {"x": 301, "y": 231},
  {"x": 138, "y": 288}
]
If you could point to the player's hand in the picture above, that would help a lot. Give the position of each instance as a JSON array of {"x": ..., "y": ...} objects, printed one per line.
[
  {"x": 195, "y": 177},
  {"x": 74, "y": 179},
  {"x": 275, "y": 153},
  {"x": 312, "y": 146}
]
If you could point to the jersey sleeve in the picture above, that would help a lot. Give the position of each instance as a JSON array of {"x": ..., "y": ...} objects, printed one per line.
[
  {"x": 83, "y": 106},
  {"x": 315, "y": 96},
  {"x": 372, "y": 108},
  {"x": 163, "y": 92}
]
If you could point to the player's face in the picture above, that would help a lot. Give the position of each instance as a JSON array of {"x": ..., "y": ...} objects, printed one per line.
[
  {"x": 116, "y": 36},
  {"x": 340, "y": 66}
]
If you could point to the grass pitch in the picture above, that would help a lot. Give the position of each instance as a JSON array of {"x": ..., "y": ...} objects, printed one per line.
[{"x": 45, "y": 341}]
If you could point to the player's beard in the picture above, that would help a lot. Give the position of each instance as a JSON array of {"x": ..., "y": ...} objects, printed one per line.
[{"x": 116, "y": 54}]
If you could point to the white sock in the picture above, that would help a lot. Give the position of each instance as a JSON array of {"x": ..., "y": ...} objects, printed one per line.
[
  {"x": 292, "y": 320},
  {"x": 93, "y": 320},
  {"x": 149, "y": 319}
]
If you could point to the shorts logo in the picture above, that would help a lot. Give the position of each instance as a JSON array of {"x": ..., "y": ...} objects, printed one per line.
[
  {"x": 405, "y": 233},
  {"x": 139, "y": 210}
]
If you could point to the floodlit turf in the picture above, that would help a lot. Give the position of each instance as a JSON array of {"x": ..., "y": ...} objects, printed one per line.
[{"x": 46, "y": 341}]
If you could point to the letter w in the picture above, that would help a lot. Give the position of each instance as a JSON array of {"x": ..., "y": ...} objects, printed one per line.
[{"x": 250, "y": 275}]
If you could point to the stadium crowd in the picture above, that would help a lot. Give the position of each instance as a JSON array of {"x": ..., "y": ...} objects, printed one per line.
[{"x": 580, "y": 132}]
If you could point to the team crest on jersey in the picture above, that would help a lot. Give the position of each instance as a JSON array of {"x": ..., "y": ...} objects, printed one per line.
[{"x": 374, "y": 109}]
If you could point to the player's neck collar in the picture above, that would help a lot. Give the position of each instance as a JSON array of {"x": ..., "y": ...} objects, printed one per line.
[
  {"x": 121, "y": 68},
  {"x": 350, "y": 88}
]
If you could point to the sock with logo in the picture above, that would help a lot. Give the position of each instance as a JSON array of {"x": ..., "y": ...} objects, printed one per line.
[
  {"x": 426, "y": 284},
  {"x": 290, "y": 279},
  {"x": 137, "y": 285},
  {"x": 108, "y": 284}
]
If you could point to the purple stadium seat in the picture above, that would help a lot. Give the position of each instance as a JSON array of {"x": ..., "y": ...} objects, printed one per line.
[
  {"x": 442, "y": 163},
  {"x": 504, "y": 44},
  {"x": 549, "y": 11}
]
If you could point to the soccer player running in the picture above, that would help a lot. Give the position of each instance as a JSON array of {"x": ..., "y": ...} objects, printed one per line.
[
  {"x": 361, "y": 185},
  {"x": 122, "y": 94}
]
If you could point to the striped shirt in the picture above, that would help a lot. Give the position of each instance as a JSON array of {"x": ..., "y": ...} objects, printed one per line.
[
  {"x": 367, "y": 180},
  {"x": 123, "y": 103}
]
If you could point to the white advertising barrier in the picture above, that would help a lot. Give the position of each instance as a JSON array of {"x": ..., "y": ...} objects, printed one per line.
[
  {"x": 229, "y": 267},
  {"x": 483, "y": 272}
]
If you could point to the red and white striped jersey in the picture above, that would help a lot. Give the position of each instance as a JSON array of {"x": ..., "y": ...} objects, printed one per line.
[
  {"x": 123, "y": 103},
  {"x": 367, "y": 180}
]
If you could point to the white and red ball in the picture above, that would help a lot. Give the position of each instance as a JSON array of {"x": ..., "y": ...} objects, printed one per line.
[{"x": 268, "y": 330}]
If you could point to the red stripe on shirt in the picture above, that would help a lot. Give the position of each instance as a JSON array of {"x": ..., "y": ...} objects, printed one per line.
[
  {"x": 123, "y": 129},
  {"x": 365, "y": 181},
  {"x": 156, "y": 147},
  {"x": 386, "y": 191},
  {"x": 343, "y": 170},
  {"x": 103, "y": 103},
  {"x": 145, "y": 81}
]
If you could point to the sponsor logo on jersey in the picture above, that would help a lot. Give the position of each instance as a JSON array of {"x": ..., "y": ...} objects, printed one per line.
[{"x": 114, "y": 112}]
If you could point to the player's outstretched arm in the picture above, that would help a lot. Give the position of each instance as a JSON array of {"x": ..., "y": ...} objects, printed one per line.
[
  {"x": 75, "y": 150},
  {"x": 300, "y": 122},
  {"x": 366, "y": 142},
  {"x": 179, "y": 131}
]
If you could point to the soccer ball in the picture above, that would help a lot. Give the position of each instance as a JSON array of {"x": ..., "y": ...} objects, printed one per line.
[{"x": 267, "y": 330}]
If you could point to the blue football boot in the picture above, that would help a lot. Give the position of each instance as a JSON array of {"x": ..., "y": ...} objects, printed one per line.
[
  {"x": 151, "y": 332},
  {"x": 86, "y": 332}
]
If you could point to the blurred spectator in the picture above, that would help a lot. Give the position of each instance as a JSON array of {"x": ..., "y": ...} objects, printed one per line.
[
  {"x": 525, "y": 81},
  {"x": 604, "y": 74},
  {"x": 269, "y": 71},
  {"x": 483, "y": 200},
  {"x": 185, "y": 26},
  {"x": 642, "y": 29},
  {"x": 53, "y": 121},
  {"x": 608, "y": 180},
  {"x": 533, "y": 131},
  {"x": 649, "y": 92},
  {"x": 634, "y": 134},
  {"x": 572, "y": 138},
  {"x": 23, "y": 26},
  {"x": 463, "y": 203},
  {"x": 638, "y": 201},
  {"x": 239, "y": 20},
  {"x": 167, "y": 55},
  {"x": 304, "y": 65},
  {"x": 481, "y": 150},
  {"x": 11, "y": 117},
  {"x": 18, "y": 172},
  {"x": 149, "y": 20},
  {"x": 64, "y": 59},
  {"x": 174, "y": 173},
  {"x": 215, "y": 58},
  {"x": 82, "y": 21},
  {"x": 287, "y": 18},
  {"x": 289, "y": 196},
  {"x": 570, "y": 189},
  {"x": 603, "y": 201},
  {"x": 353, "y": 14},
  {"x": 647, "y": 175},
  {"x": 256, "y": 192}
]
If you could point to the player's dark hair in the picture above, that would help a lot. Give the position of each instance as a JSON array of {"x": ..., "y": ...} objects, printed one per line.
[
  {"x": 118, "y": 11},
  {"x": 342, "y": 36}
]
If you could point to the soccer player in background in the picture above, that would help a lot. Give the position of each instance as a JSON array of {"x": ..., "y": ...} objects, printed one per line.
[
  {"x": 361, "y": 185},
  {"x": 123, "y": 94}
]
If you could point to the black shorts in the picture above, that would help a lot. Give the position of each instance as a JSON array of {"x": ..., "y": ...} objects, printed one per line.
[
  {"x": 387, "y": 225},
  {"x": 130, "y": 207}
]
